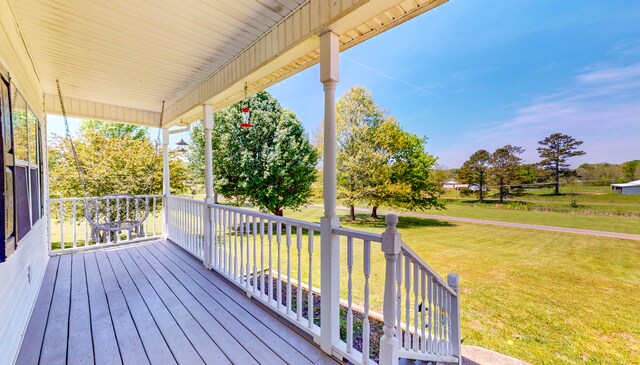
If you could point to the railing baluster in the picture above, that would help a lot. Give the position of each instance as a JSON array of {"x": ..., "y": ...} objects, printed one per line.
[
  {"x": 407, "y": 286},
  {"x": 108, "y": 233},
  {"x": 240, "y": 226},
  {"x": 416, "y": 324},
  {"x": 279, "y": 282},
  {"x": 247, "y": 270},
  {"x": 262, "y": 257},
  {"x": 254, "y": 232},
  {"x": 430, "y": 347},
  {"x": 310, "y": 293},
  {"x": 154, "y": 215},
  {"x": 86, "y": 223},
  {"x": 288, "y": 268},
  {"x": 365, "y": 326},
  {"x": 299, "y": 291},
  {"x": 425, "y": 308},
  {"x": 399, "y": 272},
  {"x": 270, "y": 288},
  {"x": 349, "y": 294},
  {"x": 62, "y": 224},
  {"x": 146, "y": 206},
  {"x": 75, "y": 243}
]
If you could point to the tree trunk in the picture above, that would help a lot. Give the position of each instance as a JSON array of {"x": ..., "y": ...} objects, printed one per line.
[
  {"x": 501, "y": 191},
  {"x": 557, "y": 180},
  {"x": 352, "y": 213},
  {"x": 374, "y": 212},
  {"x": 481, "y": 186},
  {"x": 278, "y": 211}
]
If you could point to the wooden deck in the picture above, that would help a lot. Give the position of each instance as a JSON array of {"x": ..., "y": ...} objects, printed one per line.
[{"x": 153, "y": 304}]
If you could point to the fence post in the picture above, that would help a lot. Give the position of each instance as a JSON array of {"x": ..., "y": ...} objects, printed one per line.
[
  {"x": 208, "y": 242},
  {"x": 454, "y": 281},
  {"x": 391, "y": 243}
]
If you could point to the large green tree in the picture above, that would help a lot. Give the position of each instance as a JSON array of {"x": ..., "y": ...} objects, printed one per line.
[
  {"x": 554, "y": 151},
  {"x": 505, "y": 165},
  {"x": 121, "y": 163},
  {"x": 378, "y": 162},
  {"x": 476, "y": 171},
  {"x": 359, "y": 162},
  {"x": 272, "y": 164}
]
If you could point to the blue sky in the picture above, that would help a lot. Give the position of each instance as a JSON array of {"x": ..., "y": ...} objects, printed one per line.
[{"x": 473, "y": 75}]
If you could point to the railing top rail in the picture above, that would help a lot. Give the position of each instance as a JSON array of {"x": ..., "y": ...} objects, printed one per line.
[
  {"x": 367, "y": 236},
  {"x": 185, "y": 198},
  {"x": 99, "y": 197},
  {"x": 271, "y": 217},
  {"x": 416, "y": 258}
]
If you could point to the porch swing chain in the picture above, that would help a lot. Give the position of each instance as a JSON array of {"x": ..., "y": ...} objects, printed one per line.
[{"x": 81, "y": 174}]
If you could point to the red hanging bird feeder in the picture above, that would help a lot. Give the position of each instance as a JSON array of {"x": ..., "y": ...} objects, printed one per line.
[{"x": 246, "y": 111}]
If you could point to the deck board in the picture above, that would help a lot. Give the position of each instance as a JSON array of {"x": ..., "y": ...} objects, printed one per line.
[
  {"x": 35, "y": 331},
  {"x": 153, "y": 303},
  {"x": 80, "y": 347},
  {"x": 105, "y": 344},
  {"x": 54, "y": 347}
]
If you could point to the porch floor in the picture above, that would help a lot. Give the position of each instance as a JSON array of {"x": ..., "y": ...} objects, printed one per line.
[{"x": 153, "y": 303}]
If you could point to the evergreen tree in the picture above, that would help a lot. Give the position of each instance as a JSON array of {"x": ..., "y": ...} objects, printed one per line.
[{"x": 554, "y": 151}]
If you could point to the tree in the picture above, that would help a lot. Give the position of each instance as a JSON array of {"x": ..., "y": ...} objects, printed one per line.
[
  {"x": 476, "y": 170},
  {"x": 401, "y": 172},
  {"x": 505, "y": 165},
  {"x": 114, "y": 130},
  {"x": 554, "y": 151},
  {"x": 272, "y": 164},
  {"x": 111, "y": 164},
  {"x": 631, "y": 169},
  {"x": 378, "y": 162},
  {"x": 359, "y": 162}
]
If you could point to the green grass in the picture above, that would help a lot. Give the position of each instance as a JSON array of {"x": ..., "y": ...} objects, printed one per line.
[
  {"x": 493, "y": 211},
  {"x": 559, "y": 298}
]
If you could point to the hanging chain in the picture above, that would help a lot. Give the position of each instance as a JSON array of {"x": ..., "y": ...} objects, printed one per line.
[{"x": 79, "y": 168}]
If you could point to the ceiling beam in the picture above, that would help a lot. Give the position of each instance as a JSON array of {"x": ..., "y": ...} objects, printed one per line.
[{"x": 85, "y": 109}]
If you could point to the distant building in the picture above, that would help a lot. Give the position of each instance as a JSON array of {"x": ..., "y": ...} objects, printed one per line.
[
  {"x": 453, "y": 184},
  {"x": 629, "y": 188}
]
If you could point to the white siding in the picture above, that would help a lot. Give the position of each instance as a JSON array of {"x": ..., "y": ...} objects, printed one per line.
[{"x": 17, "y": 292}]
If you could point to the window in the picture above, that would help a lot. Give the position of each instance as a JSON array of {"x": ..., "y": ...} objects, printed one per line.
[{"x": 22, "y": 165}]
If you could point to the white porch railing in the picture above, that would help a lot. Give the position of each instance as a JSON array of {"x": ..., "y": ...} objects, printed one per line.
[
  {"x": 70, "y": 231},
  {"x": 273, "y": 260}
]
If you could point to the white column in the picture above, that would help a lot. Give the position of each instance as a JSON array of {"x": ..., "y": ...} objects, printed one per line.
[
  {"x": 165, "y": 181},
  {"x": 207, "y": 112},
  {"x": 208, "y": 155},
  {"x": 330, "y": 243},
  {"x": 391, "y": 243}
]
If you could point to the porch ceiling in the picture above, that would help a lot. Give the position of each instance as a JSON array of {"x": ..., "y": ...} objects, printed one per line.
[{"x": 119, "y": 60}]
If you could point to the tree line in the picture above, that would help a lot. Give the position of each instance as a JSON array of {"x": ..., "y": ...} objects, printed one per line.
[{"x": 504, "y": 166}]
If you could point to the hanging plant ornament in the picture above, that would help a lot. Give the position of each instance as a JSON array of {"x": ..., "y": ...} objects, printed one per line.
[{"x": 246, "y": 111}]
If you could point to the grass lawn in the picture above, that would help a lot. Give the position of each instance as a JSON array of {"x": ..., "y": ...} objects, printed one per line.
[
  {"x": 560, "y": 219},
  {"x": 546, "y": 298}
]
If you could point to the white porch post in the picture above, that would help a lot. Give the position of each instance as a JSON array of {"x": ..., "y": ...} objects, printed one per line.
[
  {"x": 208, "y": 184},
  {"x": 330, "y": 243},
  {"x": 165, "y": 181},
  {"x": 391, "y": 245}
]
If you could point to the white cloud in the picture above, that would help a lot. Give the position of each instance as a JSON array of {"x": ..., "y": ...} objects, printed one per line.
[{"x": 601, "y": 108}]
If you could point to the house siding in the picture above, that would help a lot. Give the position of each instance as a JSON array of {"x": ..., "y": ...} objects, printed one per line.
[{"x": 21, "y": 275}]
